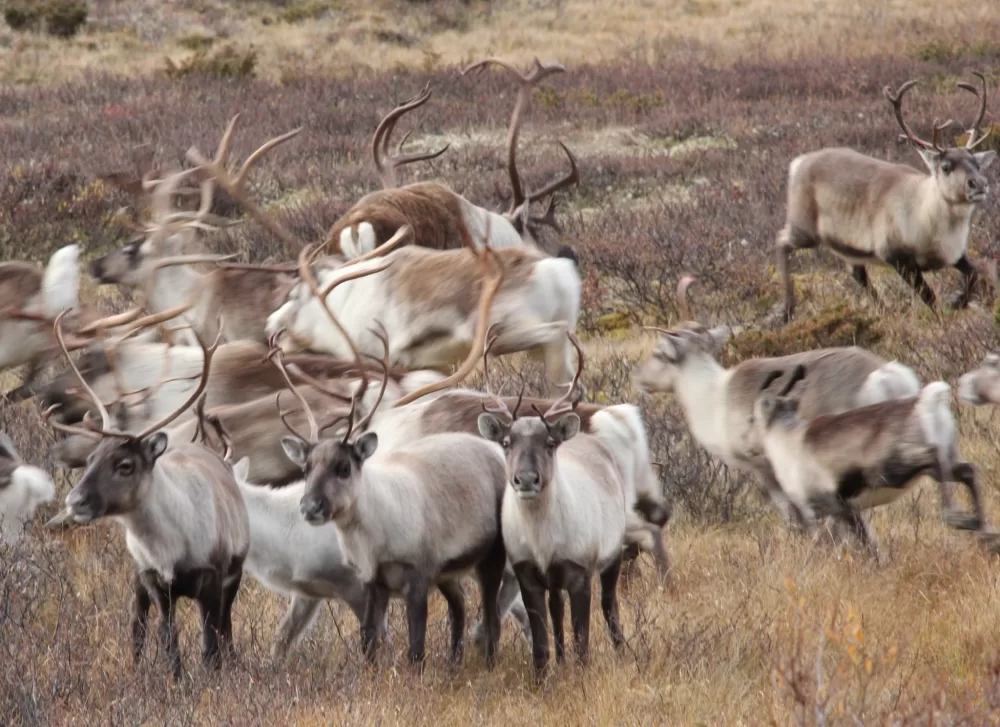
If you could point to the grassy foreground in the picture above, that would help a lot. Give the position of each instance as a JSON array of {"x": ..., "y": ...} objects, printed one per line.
[{"x": 684, "y": 116}]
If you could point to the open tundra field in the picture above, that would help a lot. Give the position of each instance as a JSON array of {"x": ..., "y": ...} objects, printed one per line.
[{"x": 684, "y": 116}]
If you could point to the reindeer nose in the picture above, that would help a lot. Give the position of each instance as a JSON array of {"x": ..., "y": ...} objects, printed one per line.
[
  {"x": 313, "y": 511},
  {"x": 526, "y": 482}
]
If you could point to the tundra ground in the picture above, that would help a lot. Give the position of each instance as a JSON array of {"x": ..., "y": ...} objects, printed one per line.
[{"x": 684, "y": 126}]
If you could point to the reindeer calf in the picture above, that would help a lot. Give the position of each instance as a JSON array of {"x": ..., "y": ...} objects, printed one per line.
[
  {"x": 840, "y": 464},
  {"x": 22, "y": 489}
]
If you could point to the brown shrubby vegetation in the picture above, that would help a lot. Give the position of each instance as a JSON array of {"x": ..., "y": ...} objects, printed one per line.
[{"x": 683, "y": 168}]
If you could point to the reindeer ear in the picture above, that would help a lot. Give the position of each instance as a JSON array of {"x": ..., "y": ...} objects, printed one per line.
[
  {"x": 566, "y": 428},
  {"x": 154, "y": 446},
  {"x": 366, "y": 445},
  {"x": 296, "y": 450},
  {"x": 490, "y": 427},
  {"x": 241, "y": 470},
  {"x": 985, "y": 159}
]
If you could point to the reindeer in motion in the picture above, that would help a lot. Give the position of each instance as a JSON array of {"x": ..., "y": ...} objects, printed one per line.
[{"x": 867, "y": 210}]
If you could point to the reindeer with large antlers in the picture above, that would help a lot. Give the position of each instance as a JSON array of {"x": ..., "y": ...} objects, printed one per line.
[
  {"x": 867, "y": 210},
  {"x": 160, "y": 264},
  {"x": 414, "y": 517},
  {"x": 439, "y": 217},
  {"x": 186, "y": 525},
  {"x": 564, "y": 518}
]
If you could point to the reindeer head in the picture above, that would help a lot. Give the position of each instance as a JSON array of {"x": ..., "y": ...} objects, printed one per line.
[
  {"x": 958, "y": 171},
  {"x": 981, "y": 386},
  {"x": 680, "y": 346},
  {"x": 120, "y": 469},
  {"x": 530, "y": 443}
]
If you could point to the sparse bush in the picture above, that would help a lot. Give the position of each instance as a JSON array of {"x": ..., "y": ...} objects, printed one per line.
[
  {"x": 196, "y": 42},
  {"x": 226, "y": 62},
  {"x": 842, "y": 325},
  {"x": 64, "y": 18},
  {"x": 23, "y": 15}
]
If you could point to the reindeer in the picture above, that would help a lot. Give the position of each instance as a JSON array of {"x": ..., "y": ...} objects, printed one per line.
[
  {"x": 981, "y": 385},
  {"x": 867, "y": 210},
  {"x": 30, "y": 297},
  {"x": 564, "y": 517},
  {"x": 22, "y": 489},
  {"x": 447, "y": 490},
  {"x": 839, "y": 464},
  {"x": 186, "y": 525},
  {"x": 718, "y": 402},
  {"x": 439, "y": 217},
  {"x": 160, "y": 262}
]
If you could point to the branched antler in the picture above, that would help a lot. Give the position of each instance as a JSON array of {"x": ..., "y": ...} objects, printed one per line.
[{"x": 380, "y": 141}]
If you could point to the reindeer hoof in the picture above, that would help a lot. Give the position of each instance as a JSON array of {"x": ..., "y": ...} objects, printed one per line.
[
  {"x": 957, "y": 300},
  {"x": 961, "y": 521}
]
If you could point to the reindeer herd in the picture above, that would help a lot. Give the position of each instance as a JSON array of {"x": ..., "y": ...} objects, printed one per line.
[{"x": 298, "y": 421}]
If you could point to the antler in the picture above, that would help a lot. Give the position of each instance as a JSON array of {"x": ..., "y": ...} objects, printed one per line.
[
  {"x": 682, "y": 302},
  {"x": 971, "y": 143},
  {"x": 383, "y": 336},
  {"x": 277, "y": 358},
  {"x": 526, "y": 82},
  {"x": 236, "y": 187},
  {"x": 105, "y": 428},
  {"x": 490, "y": 288},
  {"x": 206, "y": 365},
  {"x": 896, "y": 99},
  {"x": 305, "y": 272},
  {"x": 565, "y": 403},
  {"x": 380, "y": 141},
  {"x": 502, "y": 407}
]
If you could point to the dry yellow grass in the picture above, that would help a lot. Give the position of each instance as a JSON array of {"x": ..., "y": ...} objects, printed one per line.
[
  {"x": 338, "y": 38},
  {"x": 710, "y": 647}
]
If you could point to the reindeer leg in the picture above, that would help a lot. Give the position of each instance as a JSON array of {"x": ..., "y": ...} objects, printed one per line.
[
  {"x": 300, "y": 615},
  {"x": 960, "y": 298},
  {"x": 454, "y": 595},
  {"x": 965, "y": 473},
  {"x": 910, "y": 272},
  {"x": 860, "y": 274},
  {"x": 790, "y": 239}
]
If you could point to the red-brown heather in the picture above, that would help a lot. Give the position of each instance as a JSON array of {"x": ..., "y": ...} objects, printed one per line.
[{"x": 683, "y": 133}]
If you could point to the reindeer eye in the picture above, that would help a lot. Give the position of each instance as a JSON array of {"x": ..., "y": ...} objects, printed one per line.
[
  {"x": 947, "y": 167},
  {"x": 124, "y": 468},
  {"x": 505, "y": 443},
  {"x": 550, "y": 444},
  {"x": 342, "y": 470}
]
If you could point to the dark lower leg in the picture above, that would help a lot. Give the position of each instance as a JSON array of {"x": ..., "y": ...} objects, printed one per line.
[
  {"x": 579, "y": 611},
  {"x": 533, "y": 595},
  {"x": 965, "y": 473},
  {"x": 416, "y": 617},
  {"x": 140, "y": 616},
  {"x": 229, "y": 594},
  {"x": 210, "y": 600},
  {"x": 960, "y": 299},
  {"x": 609, "y": 603},
  {"x": 455, "y": 597},
  {"x": 556, "y": 612},
  {"x": 376, "y": 602},
  {"x": 491, "y": 573},
  {"x": 912, "y": 275},
  {"x": 783, "y": 253}
]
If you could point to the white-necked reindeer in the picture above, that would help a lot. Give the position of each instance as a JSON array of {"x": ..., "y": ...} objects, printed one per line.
[
  {"x": 718, "y": 402},
  {"x": 565, "y": 516},
  {"x": 414, "y": 517},
  {"x": 185, "y": 522},
  {"x": 867, "y": 210}
]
